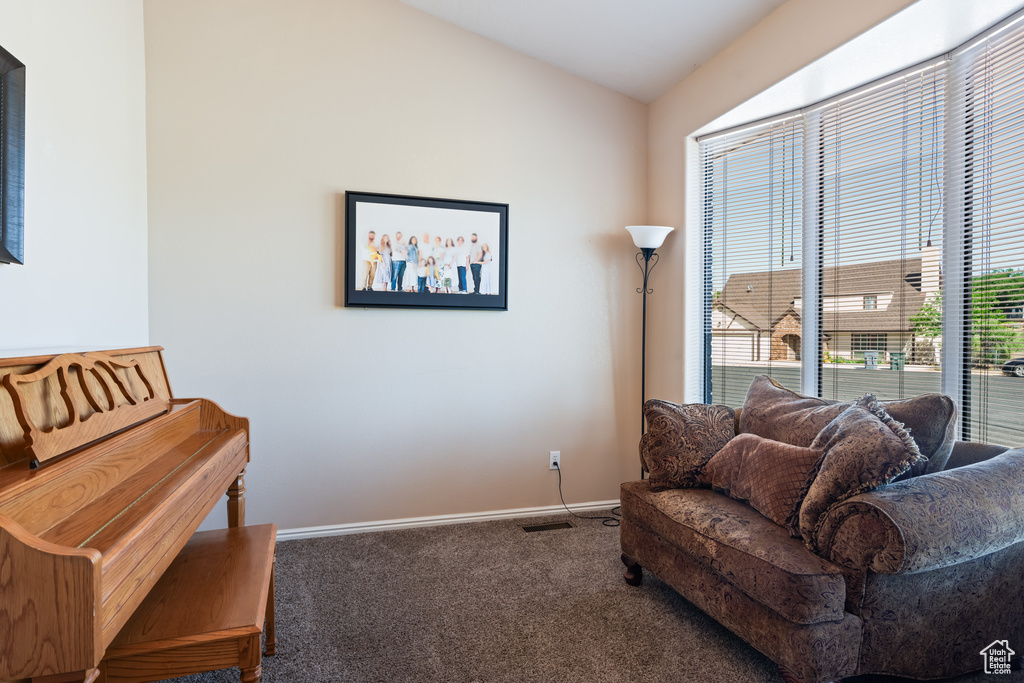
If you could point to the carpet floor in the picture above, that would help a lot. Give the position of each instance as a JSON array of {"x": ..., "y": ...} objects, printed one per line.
[{"x": 489, "y": 602}]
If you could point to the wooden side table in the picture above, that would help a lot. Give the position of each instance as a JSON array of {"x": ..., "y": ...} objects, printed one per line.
[{"x": 207, "y": 611}]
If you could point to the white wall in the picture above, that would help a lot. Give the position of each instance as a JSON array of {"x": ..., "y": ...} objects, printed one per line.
[
  {"x": 261, "y": 114},
  {"x": 84, "y": 280}
]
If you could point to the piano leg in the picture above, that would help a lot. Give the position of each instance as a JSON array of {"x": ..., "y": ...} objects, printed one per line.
[
  {"x": 236, "y": 501},
  {"x": 271, "y": 645},
  {"x": 250, "y": 661}
]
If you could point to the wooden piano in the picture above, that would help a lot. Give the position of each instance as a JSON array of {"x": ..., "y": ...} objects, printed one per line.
[{"x": 104, "y": 477}]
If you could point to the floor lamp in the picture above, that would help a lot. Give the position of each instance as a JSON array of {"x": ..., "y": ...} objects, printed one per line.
[{"x": 647, "y": 238}]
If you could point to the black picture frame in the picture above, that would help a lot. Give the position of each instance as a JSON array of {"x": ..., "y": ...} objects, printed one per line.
[
  {"x": 444, "y": 219},
  {"x": 12, "y": 159}
]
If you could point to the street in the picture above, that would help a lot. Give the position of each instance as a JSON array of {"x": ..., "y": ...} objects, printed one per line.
[{"x": 998, "y": 398}]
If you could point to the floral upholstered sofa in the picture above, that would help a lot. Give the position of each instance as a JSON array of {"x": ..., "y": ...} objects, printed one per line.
[{"x": 838, "y": 539}]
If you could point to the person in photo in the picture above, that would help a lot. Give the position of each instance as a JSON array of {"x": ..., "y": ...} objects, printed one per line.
[
  {"x": 412, "y": 257},
  {"x": 421, "y": 277},
  {"x": 382, "y": 279},
  {"x": 448, "y": 269},
  {"x": 438, "y": 251},
  {"x": 369, "y": 263},
  {"x": 462, "y": 262},
  {"x": 432, "y": 275},
  {"x": 398, "y": 257},
  {"x": 426, "y": 251},
  {"x": 487, "y": 271},
  {"x": 475, "y": 264}
]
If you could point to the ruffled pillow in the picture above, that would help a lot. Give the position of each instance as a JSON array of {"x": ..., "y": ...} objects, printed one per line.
[
  {"x": 864, "y": 447},
  {"x": 680, "y": 439}
]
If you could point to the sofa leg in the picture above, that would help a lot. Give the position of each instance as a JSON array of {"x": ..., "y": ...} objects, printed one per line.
[
  {"x": 634, "y": 573},
  {"x": 790, "y": 677}
]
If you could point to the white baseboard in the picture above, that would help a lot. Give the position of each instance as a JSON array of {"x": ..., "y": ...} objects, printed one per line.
[{"x": 436, "y": 520}]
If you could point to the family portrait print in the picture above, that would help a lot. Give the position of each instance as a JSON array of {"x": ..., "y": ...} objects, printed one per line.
[{"x": 422, "y": 252}]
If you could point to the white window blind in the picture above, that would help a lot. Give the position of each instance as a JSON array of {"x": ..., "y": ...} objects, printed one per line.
[
  {"x": 987, "y": 123},
  {"x": 752, "y": 189},
  {"x": 911, "y": 193},
  {"x": 880, "y": 199}
]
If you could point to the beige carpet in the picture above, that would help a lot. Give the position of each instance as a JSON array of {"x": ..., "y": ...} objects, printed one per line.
[{"x": 489, "y": 602}]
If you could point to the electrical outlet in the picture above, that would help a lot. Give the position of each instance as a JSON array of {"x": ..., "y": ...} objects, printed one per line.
[{"x": 555, "y": 458}]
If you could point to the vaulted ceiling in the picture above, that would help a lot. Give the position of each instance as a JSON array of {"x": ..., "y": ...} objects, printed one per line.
[{"x": 637, "y": 47}]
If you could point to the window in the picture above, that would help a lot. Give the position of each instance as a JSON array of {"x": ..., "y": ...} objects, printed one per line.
[
  {"x": 753, "y": 216},
  {"x": 987, "y": 125},
  {"x": 868, "y": 342},
  {"x": 880, "y": 193},
  {"x": 909, "y": 246}
]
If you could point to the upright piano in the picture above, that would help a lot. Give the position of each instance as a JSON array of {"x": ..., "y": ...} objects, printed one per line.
[{"x": 104, "y": 477}]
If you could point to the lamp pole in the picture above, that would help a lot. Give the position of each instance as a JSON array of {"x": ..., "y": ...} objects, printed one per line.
[
  {"x": 650, "y": 260},
  {"x": 647, "y": 238}
]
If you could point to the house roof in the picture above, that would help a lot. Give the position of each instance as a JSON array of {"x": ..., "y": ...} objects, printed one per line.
[{"x": 764, "y": 297}]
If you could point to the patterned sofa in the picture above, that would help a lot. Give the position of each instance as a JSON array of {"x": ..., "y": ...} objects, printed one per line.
[{"x": 912, "y": 579}]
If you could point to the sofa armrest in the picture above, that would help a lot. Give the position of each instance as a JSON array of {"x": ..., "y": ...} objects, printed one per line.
[{"x": 931, "y": 521}]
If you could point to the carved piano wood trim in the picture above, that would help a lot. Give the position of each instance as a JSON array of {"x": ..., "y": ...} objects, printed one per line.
[
  {"x": 96, "y": 400},
  {"x": 44, "y": 358}
]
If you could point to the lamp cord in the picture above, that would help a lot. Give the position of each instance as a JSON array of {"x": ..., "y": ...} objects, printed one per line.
[{"x": 607, "y": 521}]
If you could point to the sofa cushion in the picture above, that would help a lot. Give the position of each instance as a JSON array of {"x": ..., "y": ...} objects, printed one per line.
[
  {"x": 864, "y": 448},
  {"x": 747, "y": 549},
  {"x": 680, "y": 439},
  {"x": 771, "y": 476},
  {"x": 774, "y": 412},
  {"x": 931, "y": 420}
]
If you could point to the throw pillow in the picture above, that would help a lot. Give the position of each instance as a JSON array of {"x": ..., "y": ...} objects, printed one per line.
[
  {"x": 680, "y": 439},
  {"x": 931, "y": 419},
  {"x": 771, "y": 476},
  {"x": 774, "y": 412},
  {"x": 864, "y": 448}
]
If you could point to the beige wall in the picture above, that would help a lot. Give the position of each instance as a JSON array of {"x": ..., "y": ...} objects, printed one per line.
[
  {"x": 85, "y": 274},
  {"x": 788, "y": 39},
  {"x": 261, "y": 114},
  {"x": 258, "y": 115}
]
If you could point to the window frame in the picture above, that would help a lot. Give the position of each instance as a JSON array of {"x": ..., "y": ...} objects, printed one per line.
[{"x": 12, "y": 159}]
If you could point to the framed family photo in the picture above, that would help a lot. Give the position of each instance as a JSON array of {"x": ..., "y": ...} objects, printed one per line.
[{"x": 421, "y": 252}]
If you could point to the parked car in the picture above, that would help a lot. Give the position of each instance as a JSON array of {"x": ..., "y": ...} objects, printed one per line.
[{"x": 1014, "y": 366}]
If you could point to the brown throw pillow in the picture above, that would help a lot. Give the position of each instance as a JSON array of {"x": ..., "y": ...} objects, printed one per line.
[
  {"x": 931, "y": 419},
  {"x": 680, "y": 439},
  {"x": 770, "y": 475},
  {"x": 864, "y": 448},
  {"x": 774, "y": 412}
]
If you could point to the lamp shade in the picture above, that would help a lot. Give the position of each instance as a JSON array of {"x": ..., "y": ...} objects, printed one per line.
[{"x": 648, "y": 236}]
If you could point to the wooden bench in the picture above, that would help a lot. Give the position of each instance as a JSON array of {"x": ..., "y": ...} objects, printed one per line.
[{"x": 206, "y": 612}]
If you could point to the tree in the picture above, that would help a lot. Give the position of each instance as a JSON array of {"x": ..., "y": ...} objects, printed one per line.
[
  {"x": 993, "y": 341},
  {"x": 1006, "y": 287},
  {"x": 927, "y": 322},
  {"x": 993, "y": 296}
]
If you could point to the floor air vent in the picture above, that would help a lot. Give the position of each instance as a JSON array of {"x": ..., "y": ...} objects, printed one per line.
[{"x": 547, "y": 527}]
